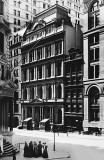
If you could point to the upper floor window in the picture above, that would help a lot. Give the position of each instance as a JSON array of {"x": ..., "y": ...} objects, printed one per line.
[
  {"x": 15, "y": 3},
  {"x": 26, "y": 7},
  {"x": 94, "y": 15},
  {"x": 1, "y": 8},
  {"x": 1, "y": 42},
  {"x": 27, "y": 16},
  {"x": 48, "y": 51},
  {"x": 58, "y": 48},
  {"x": 93, "y": 39},
  {"x": 14, "y": 12},
  {"x": 18, "y": 13}
]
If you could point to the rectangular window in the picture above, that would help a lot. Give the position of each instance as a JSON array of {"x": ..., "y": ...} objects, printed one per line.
[
  {"x": 96, "y": 71},
  {"x": 15, "y": 29},
  {"x": 18, "y": 13},
  {"x": 14, "y": 21},
  {"x": 58, "y": 48},
  {"x": 14, "y": 3},
  {"x": 19, "y": 22},
  {"x": 48, "y": 51},
  {"x": 34, "y": 3},
  {"x": 14, "y": 12},
  {"x": 44, "y": 5},
  {"x": 34, "y": 11},
  {"x": 27, "y": 16},
  {"x": 26, "y": 7}
]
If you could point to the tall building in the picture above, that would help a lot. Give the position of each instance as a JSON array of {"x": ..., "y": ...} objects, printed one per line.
[
  {"x": 20, "y": 12},
  {"x": 6, "y": 86},
  {"x": 93, "y": 38},
  {"x": 75, "y": 9},
  {"x": 44, "y": 50}
]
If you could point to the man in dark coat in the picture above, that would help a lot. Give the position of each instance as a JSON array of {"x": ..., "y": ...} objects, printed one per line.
[{"x": 40, "y": 149}]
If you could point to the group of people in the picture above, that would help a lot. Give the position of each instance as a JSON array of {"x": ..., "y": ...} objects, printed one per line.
[{"x": 35, "y": 150}]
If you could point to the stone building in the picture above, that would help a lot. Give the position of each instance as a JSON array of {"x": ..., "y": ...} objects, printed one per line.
[
  {"x": 93, "y": 39},
  {"x": 44, "y": 50},
  {"x": 74, "y": 90},
  {"x": 6, "y": 86}
]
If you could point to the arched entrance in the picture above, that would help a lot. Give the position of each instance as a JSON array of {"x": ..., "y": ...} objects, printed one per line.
[{"x": 93, "y": 96}]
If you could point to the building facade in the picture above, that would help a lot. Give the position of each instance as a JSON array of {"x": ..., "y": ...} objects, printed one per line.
[
  {"x": 93, "y": 31},
  {"x": 44, "y": 50},
  {"x": 6, "y": 86},
  {"x": 74, "y": 89},
  {"x": 21, "y": 12}
]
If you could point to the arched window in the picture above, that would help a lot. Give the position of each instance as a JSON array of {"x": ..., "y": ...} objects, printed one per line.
[
  {"x": 94, "y": 15},
  {"x": 94, "y": 104}
]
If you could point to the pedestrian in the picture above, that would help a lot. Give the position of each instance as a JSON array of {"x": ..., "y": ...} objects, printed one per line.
[
  {"x": 26, "y": 149},
  {"x": 40, "y": 149},
  {"x": 35, "y": 150},
  {"x": 45, "y": 152},
  {"x": 14, "y": 154},
  {"x": 30, "y": 149}
]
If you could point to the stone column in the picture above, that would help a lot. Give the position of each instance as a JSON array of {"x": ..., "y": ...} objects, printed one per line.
[
  {"x": 52, "y": 114},
  {"x": 11, "y": 114}
]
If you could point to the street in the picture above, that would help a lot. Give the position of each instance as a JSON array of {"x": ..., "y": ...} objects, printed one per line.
[{"x": 73, "y": 145}]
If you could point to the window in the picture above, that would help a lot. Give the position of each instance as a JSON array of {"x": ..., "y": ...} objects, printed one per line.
[
  {"x": 48, "y": 70},
  {"x": 16, "y": 73},
  {"x": 58, "y": 69},
  {"x": 94, "y": 15},
  {"x": 15, "y": 52},
  {"x": 40, "y": 72},
  {"x": 94, "y": 104},
  {"x": 26, "y": 7},
  {"x": 14, "y": 3},
  {"x": 1, "y": 42},
  {"x": 19, "y": 22},
  {"x": 31, "y": 73},
  {"x": 58, "y": 48},
  {"x": 34, "y": 11},
  {"x": 94, "y": 71},
  {"x": 19, "y": 4},
  {"x": 15, "y": 29},
  {"x": 44, "y": 5},
  {"x": 14, "y": 21},
  {"x": 27, "y": 16},
  {"x": 39, "y": 53},
  {"x": 15, "y": 62},
  {"x": 63, "y": 3},
  {"x": 94, "y": 54},
  {"x": 34, "y": 3},
  {"x": 31, "y": 56},
  {"x": 24, "y": 75},
  {"x": 18, "y": 13},
  {"x": 48, "y": 51},
  {"x": 1, "y": 8},
  {"x": 14, "y": 12},
  {"x": 93, "y": 39}
]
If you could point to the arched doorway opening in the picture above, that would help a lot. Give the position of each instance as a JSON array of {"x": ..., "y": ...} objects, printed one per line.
[{"x": 94, "y": 104}]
